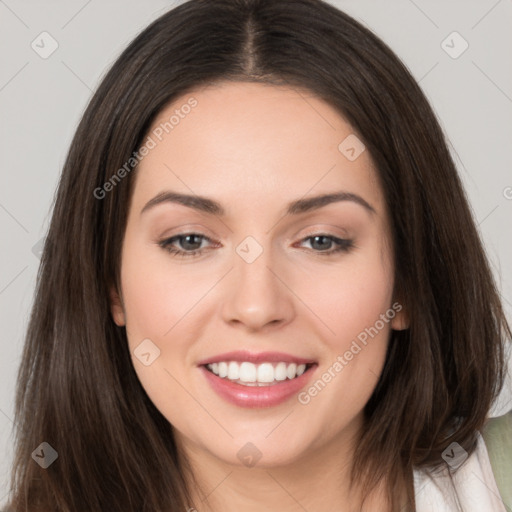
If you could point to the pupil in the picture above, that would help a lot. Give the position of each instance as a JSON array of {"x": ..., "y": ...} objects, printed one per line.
[
  {"x": 187, "y": 243},
  {"x": 322, "y": 237}
]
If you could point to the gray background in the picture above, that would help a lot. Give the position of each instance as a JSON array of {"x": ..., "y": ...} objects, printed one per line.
[{"x": 42, "y": 99}]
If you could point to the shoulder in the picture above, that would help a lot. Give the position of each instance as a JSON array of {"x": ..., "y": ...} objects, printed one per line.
[{"x": 470, "y": 483}]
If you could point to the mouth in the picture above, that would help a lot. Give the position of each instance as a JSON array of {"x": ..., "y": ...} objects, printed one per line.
[
  {"x": 260, "y": 384},
  {"x": 267, "y": 373}
]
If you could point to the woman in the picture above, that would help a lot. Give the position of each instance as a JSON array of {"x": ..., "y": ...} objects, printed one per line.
[{"x": 194, "y": 345}]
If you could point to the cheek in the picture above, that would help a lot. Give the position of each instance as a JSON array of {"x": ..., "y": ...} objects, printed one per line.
[
  {"x": 156, "y": 304},
  {"x": 356, "y": 353},
  {"x": 351, "y": 296},
  {"x": 156, "y": 297},
  {"x": 354, "y": 301}
]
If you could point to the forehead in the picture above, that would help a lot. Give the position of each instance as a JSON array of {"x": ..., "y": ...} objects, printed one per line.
[{"x": 256, "y": 142}]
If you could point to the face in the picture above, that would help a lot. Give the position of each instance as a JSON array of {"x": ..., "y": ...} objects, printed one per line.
[{"x": 313, "y": 284}]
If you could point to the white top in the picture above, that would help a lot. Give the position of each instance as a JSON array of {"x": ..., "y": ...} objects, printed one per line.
[{"x": 474, "y": 488}]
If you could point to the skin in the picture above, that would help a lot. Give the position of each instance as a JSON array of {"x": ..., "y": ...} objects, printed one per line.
[{"x": 254, "y": 148}]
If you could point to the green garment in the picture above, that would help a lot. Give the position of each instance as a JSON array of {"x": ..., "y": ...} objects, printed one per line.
[{"x": 497, "y": 434}]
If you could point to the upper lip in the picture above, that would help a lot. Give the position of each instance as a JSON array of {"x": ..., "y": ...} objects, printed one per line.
[{"x": 252, "y": 357}]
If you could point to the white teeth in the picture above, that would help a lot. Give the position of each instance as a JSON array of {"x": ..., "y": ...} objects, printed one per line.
[
  {"x": 247, "y": 372},
  {"x": 223, "y": 369},
  {"x": 265, "y": 372},
  {"x": 291, "y": 370},
  {"x": 233, "y": 371},
  {"x": 252, "y": 374},
  {"x": 280, "y": 371}
]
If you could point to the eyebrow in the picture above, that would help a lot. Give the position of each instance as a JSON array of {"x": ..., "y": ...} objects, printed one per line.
[{"x": 207, "y": 205}]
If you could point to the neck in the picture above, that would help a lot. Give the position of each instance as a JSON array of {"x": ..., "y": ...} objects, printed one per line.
[{"x": 317, "y": 480}]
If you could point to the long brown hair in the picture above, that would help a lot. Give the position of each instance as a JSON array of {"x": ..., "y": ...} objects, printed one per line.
[{"x": 77, "y": 389}]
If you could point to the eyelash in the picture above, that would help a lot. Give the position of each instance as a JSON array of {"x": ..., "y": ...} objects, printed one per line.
[{"x": 344, "y": 245}]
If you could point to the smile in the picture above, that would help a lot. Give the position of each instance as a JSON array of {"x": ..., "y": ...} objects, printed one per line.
[
  {"x": 256, "y": 393},
  {"x": 250, "y": 374}
]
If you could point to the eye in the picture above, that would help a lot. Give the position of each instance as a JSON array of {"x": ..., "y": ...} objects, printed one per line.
[
  {"x": 321, "y": 240},
  {"x": 191, "y": 244}
]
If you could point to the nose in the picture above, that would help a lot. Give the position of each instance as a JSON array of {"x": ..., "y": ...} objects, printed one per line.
[{"x": 258, "y": 294}]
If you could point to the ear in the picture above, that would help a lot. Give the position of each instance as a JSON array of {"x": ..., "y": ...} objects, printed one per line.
[
  {"x": 401, "y": 319},
  {"x": 116, "y": 308}
]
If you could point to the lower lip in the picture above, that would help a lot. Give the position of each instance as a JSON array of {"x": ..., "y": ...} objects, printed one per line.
[{"x": 257, "y": 396}]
